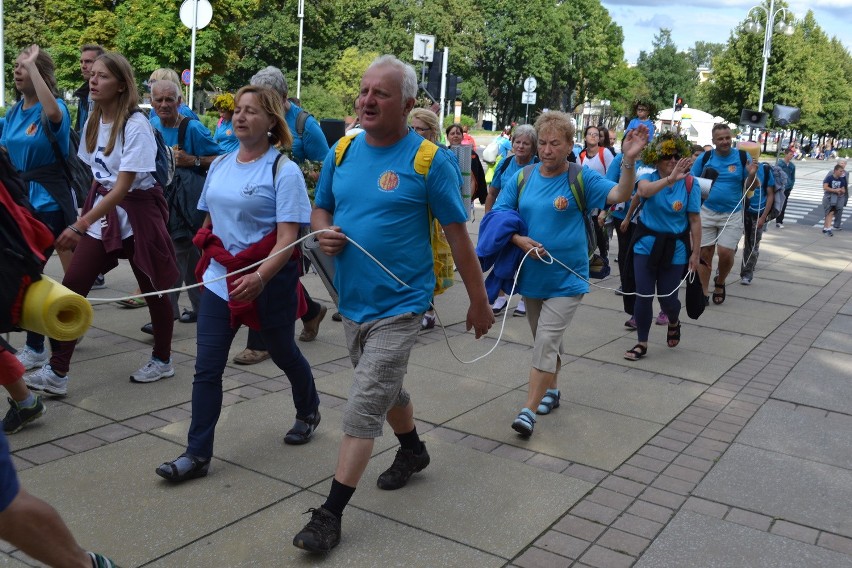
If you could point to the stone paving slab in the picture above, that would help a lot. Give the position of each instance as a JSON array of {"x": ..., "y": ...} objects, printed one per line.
[
  {"x": 684, "y": 361},
  {"x": 791, "y": 488},
  {"x": 802, "y": 432},
  {"x": 60, "y": 420},
  {"x": 789, "y": 293},
  {"x": 472, "y": 497},
  {"x": 692, "y": 539},
  {"x": 507, "y": 366},
  {"x": 125, "y": 510},
  {"x": 739, "y": 314},
  {"x": 790, "y": 273},
  {"x": 251, "y": 435},
  {"x": 427, "y": 387},
  {"x": 573, "y": 432},
  {"x": 836, "y": 335},
  {"x": 368, "y": 540},
  {"x": 591, "y": 384},
  {"x": 820, "y": 379}
]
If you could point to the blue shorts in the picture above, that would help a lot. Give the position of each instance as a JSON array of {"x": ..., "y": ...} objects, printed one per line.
[{"x": 9, "y": 486}]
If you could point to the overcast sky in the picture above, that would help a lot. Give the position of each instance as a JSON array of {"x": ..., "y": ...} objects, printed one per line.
[{"x": 712, "y": 20}]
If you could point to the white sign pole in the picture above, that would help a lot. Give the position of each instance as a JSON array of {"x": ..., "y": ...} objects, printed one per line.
[
  {"x": 192, "y": 53},
  {"x": 301, "y": 15},
  {"x": 444, "y": 83}
]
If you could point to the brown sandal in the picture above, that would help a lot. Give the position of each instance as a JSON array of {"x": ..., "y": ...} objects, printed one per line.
[{"x": 719, "y": 297}]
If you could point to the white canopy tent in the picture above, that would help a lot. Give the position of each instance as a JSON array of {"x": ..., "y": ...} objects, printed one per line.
[{"x": 696, "y": 124}]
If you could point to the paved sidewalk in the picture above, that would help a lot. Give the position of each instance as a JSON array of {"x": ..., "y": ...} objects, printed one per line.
[{"x": 733, "y": 449}]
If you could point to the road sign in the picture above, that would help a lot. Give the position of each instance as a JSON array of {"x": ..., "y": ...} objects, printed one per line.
[
  {"x": 424, "y": 47},
  {"x": 527, "y": 98},
  {"x": 205, "y": 13},
  {"x": 530, "y": 84},
  {"x": 186, "y": 76}
]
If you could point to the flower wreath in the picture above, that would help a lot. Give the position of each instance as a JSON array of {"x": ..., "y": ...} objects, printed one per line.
[{"x": 665, "y": 145}]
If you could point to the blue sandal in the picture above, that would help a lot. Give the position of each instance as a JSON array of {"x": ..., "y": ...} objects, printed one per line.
[
  {"x": 549, "y": 401},
  {"x": 524, "y": 423}
]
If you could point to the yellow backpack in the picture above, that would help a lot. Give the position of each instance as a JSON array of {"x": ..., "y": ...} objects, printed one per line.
[{"x": 442, "y": 257}]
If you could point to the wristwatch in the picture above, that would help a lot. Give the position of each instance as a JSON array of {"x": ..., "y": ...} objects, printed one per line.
[{"x": 198, "y": 161}]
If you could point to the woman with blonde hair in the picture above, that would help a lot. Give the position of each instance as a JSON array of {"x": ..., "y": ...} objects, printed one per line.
[
  {"x": 253, "y": 215},
  {"x": 124, "y": 216}
]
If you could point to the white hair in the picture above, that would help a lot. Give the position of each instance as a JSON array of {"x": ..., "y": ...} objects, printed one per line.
[{"x": 409, "y": 75}]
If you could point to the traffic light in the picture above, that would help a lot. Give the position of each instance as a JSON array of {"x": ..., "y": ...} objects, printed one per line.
[
  {"x": 679, "y": 103},
  {"x": 453, "y": 90},
  {"x": 433, "y": 79}
]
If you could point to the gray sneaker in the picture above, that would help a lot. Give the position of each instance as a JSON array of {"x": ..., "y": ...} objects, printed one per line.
[
  {"x": 46, "y": 381},
  {"x": 31, "y": 359},
  {"x": 153, "y": 370}
]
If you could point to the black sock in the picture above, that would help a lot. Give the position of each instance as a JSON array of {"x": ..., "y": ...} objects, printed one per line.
[
  {"x": 411, "y": 441},
  {"x": 338, "y": 497}
]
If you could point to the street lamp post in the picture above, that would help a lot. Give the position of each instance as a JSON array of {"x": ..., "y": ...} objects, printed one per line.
[{"x": 754, "y": 26}]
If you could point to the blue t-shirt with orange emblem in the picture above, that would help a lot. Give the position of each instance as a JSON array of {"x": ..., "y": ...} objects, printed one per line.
[
  {"x": 225, "y": 137},
  {"x": 667, "y": 212},
  {"x": 379, "y": 201},
  {"x": 554, "y": 220},
  {"x": 726, "y": 195},
  {"x": 29, "y": 147}
]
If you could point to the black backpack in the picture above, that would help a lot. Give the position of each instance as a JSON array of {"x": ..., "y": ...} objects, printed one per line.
[
  {"x": 77, "y": 173},
  {"x": 165, "y": 160}
]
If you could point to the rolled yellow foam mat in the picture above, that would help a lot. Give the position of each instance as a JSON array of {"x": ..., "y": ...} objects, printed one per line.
[
  {"x": 55, "y": 311},
  {"x": 753, "y": 148}
]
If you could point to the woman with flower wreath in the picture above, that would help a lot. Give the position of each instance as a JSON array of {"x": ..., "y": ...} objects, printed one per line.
[
  {"x": 667, "y": 236},
  {"x": 224, "y": 135}
]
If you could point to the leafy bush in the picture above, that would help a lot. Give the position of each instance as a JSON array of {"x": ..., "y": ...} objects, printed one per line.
[{"x": 465, "y": 121}]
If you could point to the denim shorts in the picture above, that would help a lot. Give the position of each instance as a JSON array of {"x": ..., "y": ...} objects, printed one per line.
[{"x": 379, "y": 352}]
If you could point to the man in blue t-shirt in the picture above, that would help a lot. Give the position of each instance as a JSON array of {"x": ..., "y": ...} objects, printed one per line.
[
  {"x": 197, "y": 153},
  {"x": 721, "y": 212},
  {"x": 754, "y": 219},
  {"x": 375, "y": 196}
]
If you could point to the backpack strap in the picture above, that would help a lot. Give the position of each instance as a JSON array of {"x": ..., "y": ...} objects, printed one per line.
[
  {"x": 523, "y": 176},
  {"x": 501, "y": 168},
  {"x": 423, "y": 159},
  {"x": 301, "y": 121},
  {"x": 184, "y": 124},
  {"x": 688, "y": 180},
  {"x": 601, "y": 156},
  {"x": 575, "y": 181},
  {"x": 341, "y": 147},
  {"x": 278, "y": 165}
]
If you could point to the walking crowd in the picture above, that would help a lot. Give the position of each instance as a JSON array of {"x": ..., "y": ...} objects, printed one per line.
[{"x": 238, "y": 199}]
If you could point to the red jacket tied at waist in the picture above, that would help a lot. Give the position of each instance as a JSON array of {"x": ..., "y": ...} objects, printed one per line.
[{"x": 212, "y": 249}]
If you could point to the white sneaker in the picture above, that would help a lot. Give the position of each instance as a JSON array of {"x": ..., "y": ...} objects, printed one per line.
[
  {"x": 779, "y": 225},
  {"x": 30, "y": 358},
  {"x": 521, "y": 310},
  {"x": 46, "y": 381},
  {"x": 153, "y": 370}
]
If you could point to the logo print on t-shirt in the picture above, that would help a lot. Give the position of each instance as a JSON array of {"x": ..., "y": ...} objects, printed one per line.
[
  {"x": 31, "y": 129},
  {"x": 732, "y": 168},
  {"x": 248, "y": 189},
  {"x": 388, "y": 181},
  {"x": 677, "y": 206},
  {"x": 560, "y": 203}
]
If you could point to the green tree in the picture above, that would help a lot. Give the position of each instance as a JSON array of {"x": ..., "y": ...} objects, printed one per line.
[
  {"x": 702, "y": 53},
  {"x": 667, "y": 71},
  {"x": 345, "y": 79}
]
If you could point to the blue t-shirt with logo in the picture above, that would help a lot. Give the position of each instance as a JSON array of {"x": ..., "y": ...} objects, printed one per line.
[
  {"x": 244, "y": 205},
  {"x": 197, "y": 141},
  {"x": 667, "y": 211},
  {"x": 511, "y": 170},
  {"x": 757, "y": 203},
  {"x": 726, "y": 196},
  {"x": 29, "y": 147},
  {"x": 225, "y": 137},
  {"x": 312, "y": 145},
  {"x": 377, "y": 199},
  {"x": 554, "y": 220}
]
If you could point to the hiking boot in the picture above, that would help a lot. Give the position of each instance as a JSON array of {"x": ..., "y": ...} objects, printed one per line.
[
  {"x": 19, "y": 416},
  {"x": 311, "y": 327},
  {"x": 405, "y": 464},
  {"x": 302, "y": 429},
  {"x": 321, "y": 534},
  {"x": 31, "y": 359},
  {"x": 46, "y": 381},
  {"x": 153, "y": 370}
]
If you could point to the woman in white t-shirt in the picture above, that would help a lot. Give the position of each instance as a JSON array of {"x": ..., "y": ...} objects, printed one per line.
[
  {"x": 595, "y": 155},
  {"x": 256, "y": 200},
  {"x": 124, "y": 217}
]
